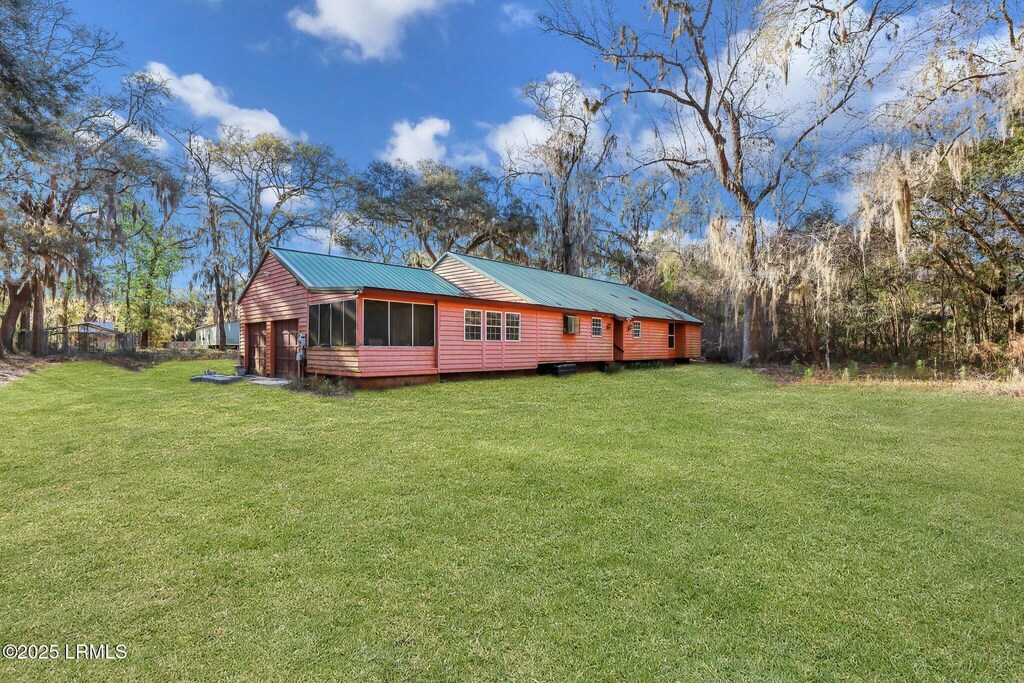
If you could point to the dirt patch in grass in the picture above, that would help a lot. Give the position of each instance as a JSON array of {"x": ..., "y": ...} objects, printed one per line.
[
  {"x": 897, "y": 376},
  {"x": 17, "y": 366}
]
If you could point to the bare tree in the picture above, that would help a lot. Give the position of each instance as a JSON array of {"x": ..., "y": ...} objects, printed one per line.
[
  {"x": 217, "y": 266},
  {"x": 635, "y": 210},
  {"x": 568, "y": 164},
  {"x": 272, "y": 186},
  {"x": 717, "y": 72},
  {"x": 418, "y": 214},
  {"x": 47, "y": 64}
]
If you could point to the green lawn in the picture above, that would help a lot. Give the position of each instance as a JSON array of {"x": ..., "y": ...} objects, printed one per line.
[{"x": 686, "y": 523}]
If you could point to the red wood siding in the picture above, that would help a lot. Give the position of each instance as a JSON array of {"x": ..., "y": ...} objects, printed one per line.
[
  {"x": 274, "y": 294},
  {"x": 394, "y": 361},
  {"x": 553, "y": 346},
  {"x": 692, "y": 338},
  {"x": 455, "y": 354},
  {"x": 332, "y": 360},
  {"x": 541, "y": 340},
  {"x": 473, "y": 283},
  {"x": 652, "y": 344}
]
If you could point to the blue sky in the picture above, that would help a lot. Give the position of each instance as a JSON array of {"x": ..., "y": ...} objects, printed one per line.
[{"x": 347, "y": 72}]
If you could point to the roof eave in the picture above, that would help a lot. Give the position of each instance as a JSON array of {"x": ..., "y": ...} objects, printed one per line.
[{"x": 340, "y": 290}]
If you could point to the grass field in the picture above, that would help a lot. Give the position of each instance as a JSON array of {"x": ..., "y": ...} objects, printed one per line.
[{"x": 696, "y": 522}]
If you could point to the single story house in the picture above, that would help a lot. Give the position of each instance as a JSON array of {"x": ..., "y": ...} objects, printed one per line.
[
  {"x": 381, "y": 323},
  {"x": 208, "y": 336},
  {"x": 91, "y": 336}
]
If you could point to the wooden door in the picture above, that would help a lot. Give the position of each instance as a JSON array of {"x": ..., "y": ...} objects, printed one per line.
[
  {"x": 256, "y": 348},
  {"x": 617, "y": 339},
  {"x": 286, "y": 345}
]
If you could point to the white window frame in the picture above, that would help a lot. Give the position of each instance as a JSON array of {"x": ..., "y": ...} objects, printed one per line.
[
  {"x": 599, "y": 327},
  {"x": 638, "y": 330},
  {"x": 487, "y": 324},
  {"x": 672, "y": 335},
  {"x": 465, "y": 324},
  {"x": 519, "y": 326}
]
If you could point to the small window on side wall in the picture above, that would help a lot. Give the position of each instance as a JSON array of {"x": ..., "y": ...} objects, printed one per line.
[
  {"x": 473, "y": 324},
  {"x": 571, "y": 324},
  {"x": 513, "y": 325},
  {"x": 637, "y": 329},
  {"x": 493, "y": 326},
  {"x": 671, "y": 335},
  {"x": 596, "y": 327}
]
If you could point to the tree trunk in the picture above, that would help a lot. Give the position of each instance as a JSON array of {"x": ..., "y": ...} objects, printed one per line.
[
  {"x": 19, "y": 294},
  {"x": 751, "y": 312},
  {"x": 218, "y": 310},
  {"x": 567, "y": 248},
  {"x": 38, "y": 322}
]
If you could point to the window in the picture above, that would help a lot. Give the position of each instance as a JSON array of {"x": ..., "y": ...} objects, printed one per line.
[
  {"x": 337, "y": 315},
  {"x": 596, "y": 327},
  {"x": 401, "y": 324},
  {"x": 314, "y": 326},
  {"x": 571, "y": 324},
  {"x": 671, "y": 335},
  {"x": 332, "y": 324},
  {"x": 493, "y": 326},
  {"x": 397, "y": 323},
  {"x": 513, "y": 324},
  {"x": 637, "y": 330},
  {"x": 375, "y": 323},
  {"x": 472, "y": 321},
  {"x": 422, "y": 325}
]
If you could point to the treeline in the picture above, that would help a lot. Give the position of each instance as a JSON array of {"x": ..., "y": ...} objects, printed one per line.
[{"x": 817, "y": 183}]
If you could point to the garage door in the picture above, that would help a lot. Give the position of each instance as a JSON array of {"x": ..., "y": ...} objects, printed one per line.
[
  {"x": 256, "y": 348},
  {"x": 286, "y": 345}
]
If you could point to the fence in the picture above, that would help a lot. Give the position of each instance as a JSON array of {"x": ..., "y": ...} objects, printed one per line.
[{"x": 61, "y": 341}]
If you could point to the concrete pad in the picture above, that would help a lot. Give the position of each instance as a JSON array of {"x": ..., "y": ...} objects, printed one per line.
[
  {"x": 217, "y": 379},
  {"x": 231, "y": 379},
  {"x": 268, "y": 381}
]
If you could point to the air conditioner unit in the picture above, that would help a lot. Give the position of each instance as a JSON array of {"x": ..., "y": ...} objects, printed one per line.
[{"x": 571, "y": 324}]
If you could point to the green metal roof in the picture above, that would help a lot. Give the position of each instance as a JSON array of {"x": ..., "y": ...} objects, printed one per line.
[
  {"x": 320, "y": 272},
  {"x": 559, "y": 290}
]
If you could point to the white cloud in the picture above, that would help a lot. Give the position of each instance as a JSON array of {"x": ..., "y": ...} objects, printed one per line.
[
  {"x": 514, "y": 138},
  {"x": 368, "y": 29},
  {"x": 150, "y": 139},
  {"x": 516, "y": 16},
  {"x": 413, "y": 143},
  {"x": 469, "y": 155},
  {"x": 518, "y": 133},
  {"x": 208, "y": 101},
  {"x": 269, "y": 196}
]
